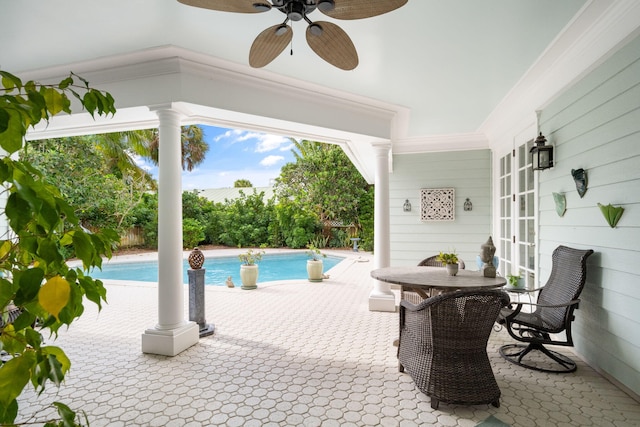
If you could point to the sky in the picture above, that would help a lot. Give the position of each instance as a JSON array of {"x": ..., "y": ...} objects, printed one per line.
[{"x": 236, "y": 154}]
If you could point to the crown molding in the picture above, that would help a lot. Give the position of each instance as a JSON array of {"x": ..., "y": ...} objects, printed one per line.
[
  {"x": 435, "y": 143},
  {"x": 599, "y": 29}
]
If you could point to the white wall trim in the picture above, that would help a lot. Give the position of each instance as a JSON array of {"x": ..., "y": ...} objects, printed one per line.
[
  {"x": 597, "y": 31},
  {"x": 436, "y": 143}
]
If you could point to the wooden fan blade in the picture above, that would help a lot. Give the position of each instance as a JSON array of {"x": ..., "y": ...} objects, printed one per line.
[
  {"x": 268, "y": 45},
  {"x": 333, "y": 45},
  {"x": 359, "y": 9},
  {"x": 238, "y": 6}
]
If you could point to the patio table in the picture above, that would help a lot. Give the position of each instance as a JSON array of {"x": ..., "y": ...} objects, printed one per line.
[{"x": 426, "y": 280}]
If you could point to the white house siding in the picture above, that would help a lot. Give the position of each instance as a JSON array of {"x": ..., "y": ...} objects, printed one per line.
[
  {"x": 595, "y": 125},
  {"x": 469, "y": 173}
]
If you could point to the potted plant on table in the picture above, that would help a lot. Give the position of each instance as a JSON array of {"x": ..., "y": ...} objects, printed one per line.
[
  {"x": 314, "y": 264},
  {"x": 249, "y": 268},
  {"x": 515, "y": 281},
  {"x": 450, "y": 261}
]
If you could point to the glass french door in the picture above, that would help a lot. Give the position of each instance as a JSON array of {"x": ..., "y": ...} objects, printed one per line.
[{"x": 517, "y": 198}]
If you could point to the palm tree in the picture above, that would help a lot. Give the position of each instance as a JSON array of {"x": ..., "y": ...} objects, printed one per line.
[
  {"x": 194, "y": 148},
  {"x": 121, "y": 148}
]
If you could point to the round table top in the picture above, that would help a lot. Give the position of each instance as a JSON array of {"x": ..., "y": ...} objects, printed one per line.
[{"x": 436, "y": 278}]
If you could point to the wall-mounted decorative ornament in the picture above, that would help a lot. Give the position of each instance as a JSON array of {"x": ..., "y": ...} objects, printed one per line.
[
  {"x": 406, "y": 207},
  {"x": 611, "y": 213},
  {"x": 561, "y": 203},
  {"x": 580, "y": 178},
  {"x": 468, "y": 206},
  {"x": 437, "y": 204}
]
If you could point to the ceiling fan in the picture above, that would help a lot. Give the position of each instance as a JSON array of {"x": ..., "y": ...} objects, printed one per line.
[{"x": 326, "y": 39}]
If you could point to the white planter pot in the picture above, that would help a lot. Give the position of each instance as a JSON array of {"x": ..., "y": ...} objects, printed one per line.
[
  {"x": 314, "y": 270},
  {"x": 518, "y": 285},
  {"x": 452, "y": 269},
  {"x": 249, "y": 276}
]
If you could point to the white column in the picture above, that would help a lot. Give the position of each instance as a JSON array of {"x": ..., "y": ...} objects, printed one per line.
[
  {"x": 173, "y": 333},
  {"x": 381, "y": 297}
]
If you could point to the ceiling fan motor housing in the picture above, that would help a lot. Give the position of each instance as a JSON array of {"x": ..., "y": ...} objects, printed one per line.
[
  {"x": 296, "y": 10},
  {"x": 327, "y": 40}
]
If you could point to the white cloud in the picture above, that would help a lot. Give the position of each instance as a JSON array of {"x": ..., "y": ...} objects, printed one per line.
[
  {"x": 271, "y": 142},
  {"x": 271, "y": 160},
  {"x": 288, "y": 147},
  {"x": 263, "y": 142},
  {"x": 231, "y": 133}
]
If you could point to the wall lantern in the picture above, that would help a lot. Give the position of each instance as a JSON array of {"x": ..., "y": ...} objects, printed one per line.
[
  {"x": 541, "y": 154},
  {"x": 468, "y": 205},
  {"x": 407, "y": 206}
]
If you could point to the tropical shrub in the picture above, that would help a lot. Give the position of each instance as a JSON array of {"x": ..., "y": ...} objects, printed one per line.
[
  {"x": 192, "y": 233},
  {"x": 297, "y": 225},
  {"x": 366, "y": 214},
  {"x": 245, "y": 221}
]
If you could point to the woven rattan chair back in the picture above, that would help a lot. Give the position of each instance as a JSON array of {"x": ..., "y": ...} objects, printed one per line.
[
  {"x": 433, "y": 262},
  {"x": 565, "y": 283},
  {"x": 553, "y": 313},
  {"x": 443, "y": 346}
]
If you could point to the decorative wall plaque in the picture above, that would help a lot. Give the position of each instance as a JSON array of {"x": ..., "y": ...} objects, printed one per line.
[
  {"x": 437, "y": 204},
  {"x": 561, "y": 203}
]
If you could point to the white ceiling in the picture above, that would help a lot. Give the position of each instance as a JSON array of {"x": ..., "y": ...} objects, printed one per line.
[{"x": 450, "y": 63}]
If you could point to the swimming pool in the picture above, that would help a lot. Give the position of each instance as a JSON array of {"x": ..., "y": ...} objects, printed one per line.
[{"x": 272, "y": 267}]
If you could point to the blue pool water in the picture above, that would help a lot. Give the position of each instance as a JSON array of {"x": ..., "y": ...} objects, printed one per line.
[{"x": 272, "y": 267}]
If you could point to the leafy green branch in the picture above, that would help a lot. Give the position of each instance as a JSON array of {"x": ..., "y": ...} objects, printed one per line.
[{"x": 35, "y": 280}]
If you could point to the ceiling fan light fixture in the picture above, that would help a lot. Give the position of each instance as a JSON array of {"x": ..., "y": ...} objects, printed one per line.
[
  {"x": 316, "y": 29},
  {"x": 282, "y": 29},
  {"x": 295, "y": 10},
  {"x": 262, "y": 7},
  {"x": 326, "y": 5}
]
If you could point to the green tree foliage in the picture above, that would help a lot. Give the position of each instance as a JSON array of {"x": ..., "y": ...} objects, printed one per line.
[
  {"x": 194, "y": 147},
  {"x": 192, "y": 233},
  {"x": 196, "y": 207},
  {"x": 147, "y": 219},
  {"x": 246, "y": 220},
  {"x": 196, "y": 215},
  {"x": 242, "y": 183},
  {"x": 366, "y": 219},
  {"x": 324, "y": 181},
  {"x": 35, "y": 278},
  {"x": 103, "y": 194},
  {"x": 296, "y": 226}
]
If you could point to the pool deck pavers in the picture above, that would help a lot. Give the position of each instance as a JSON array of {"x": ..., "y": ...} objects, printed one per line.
[{"x": 294, "y": 353}]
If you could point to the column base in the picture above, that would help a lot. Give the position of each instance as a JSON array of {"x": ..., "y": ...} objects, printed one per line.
[
  {"x": 382, "y": 302},
  {"x": 209, "y": 329},
  {"x": 170, "y": 342}
]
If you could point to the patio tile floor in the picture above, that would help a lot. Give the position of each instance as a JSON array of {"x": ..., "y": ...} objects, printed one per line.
[{"x": 295, "y": 353}]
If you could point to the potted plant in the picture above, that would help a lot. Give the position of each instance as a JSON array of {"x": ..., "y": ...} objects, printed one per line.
[
  {"x": 450, "y": 261},
  {"x": 314, "y": 264},
  {"x": 249, "y": 268},
  {"x": 515, "y": 281}
]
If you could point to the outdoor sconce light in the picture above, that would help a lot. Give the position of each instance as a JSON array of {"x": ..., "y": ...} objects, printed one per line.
[
  {"x": 468, "y": 205},
  {"x": 407, "y": 206},
  {"x": 541, "y": 154}
]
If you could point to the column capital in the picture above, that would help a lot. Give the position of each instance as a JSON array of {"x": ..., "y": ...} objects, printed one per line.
[
  {"x": 381, "y": 145},
  {"x": 169, "y": 108}
]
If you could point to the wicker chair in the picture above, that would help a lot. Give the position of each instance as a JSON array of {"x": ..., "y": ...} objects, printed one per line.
[
  {"x": 415, "y": 296},
  {"x": 443, "y": 346},
  {"x": 552, "y": 314},
  {"x": 11, "y": 313},
  {"x": 433, "y": 262}
]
